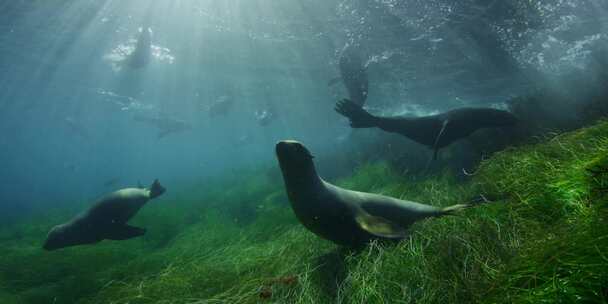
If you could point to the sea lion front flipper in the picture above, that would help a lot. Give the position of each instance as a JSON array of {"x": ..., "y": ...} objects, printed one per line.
[
  {"x": 379, "y": 226},
  {"x": 359, "y": 118},
  {"x": 435, "y": 146},
  {"x": 119, "y": 232}
]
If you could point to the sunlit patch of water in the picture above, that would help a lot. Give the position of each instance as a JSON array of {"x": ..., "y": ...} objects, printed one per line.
[
  {"x": 119, "y": 55},
  {"x": 126, "y": 103}
]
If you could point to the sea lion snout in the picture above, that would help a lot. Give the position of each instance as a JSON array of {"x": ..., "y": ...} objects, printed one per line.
[
  {"x": 54, "y": 239},
  {"x": 294, "y": 159},
  {"x": 292, "y": 150},
  {"x": 48, "y": 244},
  {"x": 282, "y": 147}
]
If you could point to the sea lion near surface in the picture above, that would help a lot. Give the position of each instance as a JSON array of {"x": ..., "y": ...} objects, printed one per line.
[
  {"x": 105, "y": 220},
  {"x": 434, "y": 131},
  {"x": 140, "y": 57},
  {"x": 346, "y": 217},
  {"x": 353, "y": 73}
]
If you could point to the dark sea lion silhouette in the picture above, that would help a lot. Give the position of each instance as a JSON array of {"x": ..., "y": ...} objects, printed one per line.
[
  {"x": 434, "y": 131},
  {"x": 140, "y": 57},
  {"x": 166, "y": 125},
  {"x": 353, "y": 72},
  {"x": 105, "y": 220},
  {"x": 221, "y": 106},
  {"x": 343, "y": 216},
  {"x": 265, "y": 117},
  {"x": 76, "y": 127}
]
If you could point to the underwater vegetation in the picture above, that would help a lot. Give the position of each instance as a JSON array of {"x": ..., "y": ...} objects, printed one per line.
[{"x": 542, "y": 239}]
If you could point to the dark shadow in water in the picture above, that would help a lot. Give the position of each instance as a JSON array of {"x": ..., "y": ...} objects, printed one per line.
[
  {"x": 243, "y": 213},
  {"x": 331, "y": 271}
]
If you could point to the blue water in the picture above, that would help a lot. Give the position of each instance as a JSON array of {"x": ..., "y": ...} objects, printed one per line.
[{"x": 67, "y": 107}]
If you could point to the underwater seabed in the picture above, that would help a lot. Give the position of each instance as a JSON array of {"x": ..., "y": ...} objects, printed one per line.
[{"x": 544, "y": 239}]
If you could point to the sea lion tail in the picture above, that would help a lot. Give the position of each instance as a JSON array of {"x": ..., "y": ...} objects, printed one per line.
[
  {"x": 475, "y": 201},
  {"x": 156, "y": 189},
  {"x": 359, "y": 118}
]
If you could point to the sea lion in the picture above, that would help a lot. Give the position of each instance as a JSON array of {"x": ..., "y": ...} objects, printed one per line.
[
  {"x": 221, "y": 106},
  {"x": 353, "y": 72},
  {"x": 435, "y": 131},
  {"x": 166, "y": 125},
  {"x": 140, "y": 57},
  {"x": 345, "y": 217},
  {"x": 76, "y": 127},
  {"x": 106, "y": 219}
]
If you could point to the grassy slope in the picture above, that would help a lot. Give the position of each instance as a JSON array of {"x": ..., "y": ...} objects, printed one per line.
[{"x": 544, "y": 240}]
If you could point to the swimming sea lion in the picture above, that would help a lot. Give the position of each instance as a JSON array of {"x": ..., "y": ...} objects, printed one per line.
[
  {"x": 221, "y": 106},
  {"x": 345, "y": 217},
  {"x": 140, "y": 57},
  {"x": 166, "y": 125},
  {"x": 107, "y": 219},
  {"x": 76, "y": 127},
  {"x": 434, "y": 131},
  {"x": 353, "y": 73}
]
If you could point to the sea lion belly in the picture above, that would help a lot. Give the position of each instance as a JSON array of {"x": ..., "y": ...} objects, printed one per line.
[{"x": 329, "y": 219}]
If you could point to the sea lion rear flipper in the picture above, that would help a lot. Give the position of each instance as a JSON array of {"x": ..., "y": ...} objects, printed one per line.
[
  {"x": 156, "y": 189},
  {"x": 379, "y": 226},
  {"x": 123, "y": 232}
]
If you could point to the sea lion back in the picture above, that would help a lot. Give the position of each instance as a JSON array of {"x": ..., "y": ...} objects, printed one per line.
[{"x": 120, "y": 206}]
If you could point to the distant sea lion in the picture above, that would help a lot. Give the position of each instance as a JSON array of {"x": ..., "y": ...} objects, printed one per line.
[
  {"x": 140, "y": 57},
  {"x": 107, "y": 219},
  {"x": 166, "y": 125},
  {"x": 76, "y": 127},
  {"x": 345, "y": 217},
  {"x": 434, "y": 131},
  {"x": 353, "y": 72},
  {"x": 221, "y": 106}
]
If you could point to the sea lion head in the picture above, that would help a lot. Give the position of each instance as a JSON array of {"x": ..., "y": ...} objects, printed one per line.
[
  {"x": 295, "y": 161},
  {"x": 59, "y": 237}
]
